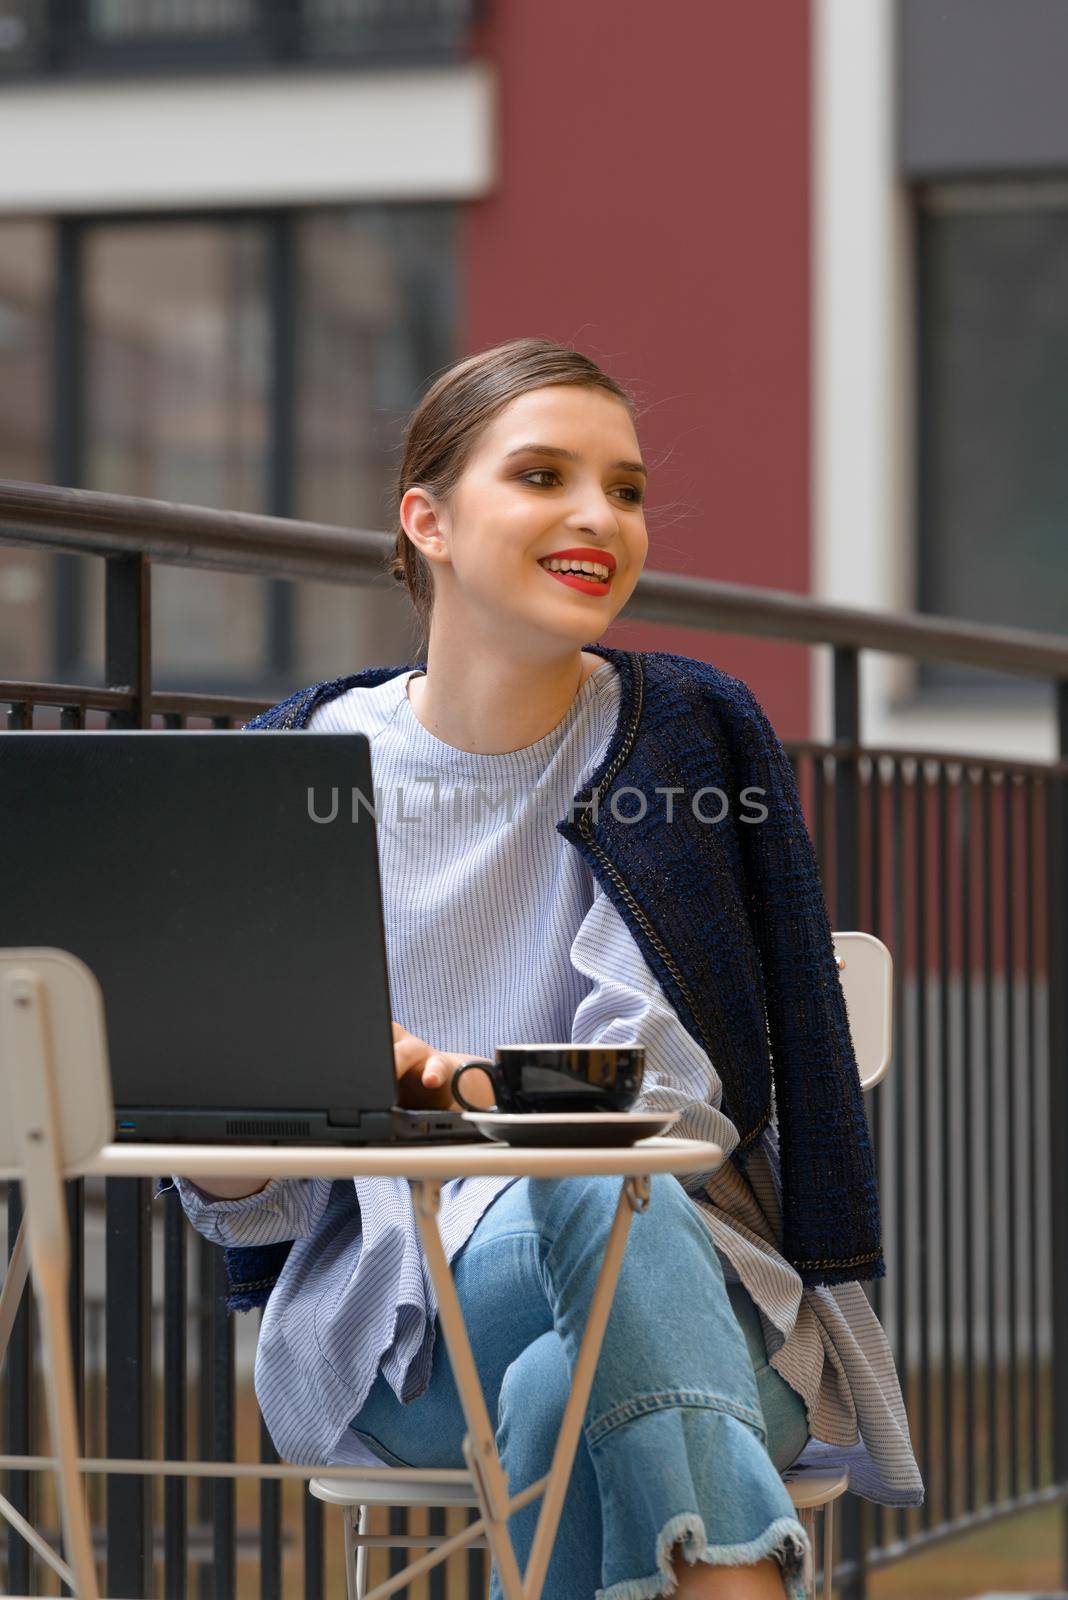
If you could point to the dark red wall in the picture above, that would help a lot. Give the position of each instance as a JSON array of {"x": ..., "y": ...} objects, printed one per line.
[{"x": 652, "y": 210}]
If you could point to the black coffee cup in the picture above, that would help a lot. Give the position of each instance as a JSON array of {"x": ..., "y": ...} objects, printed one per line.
[{"x": 560, "y": 1077}]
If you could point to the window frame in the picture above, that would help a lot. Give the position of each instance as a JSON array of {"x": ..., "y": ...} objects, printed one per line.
[
  {"x": 69, "y": 433},
  {"x": 935, "y": 680},
  {"x": 66, "y": 447}
]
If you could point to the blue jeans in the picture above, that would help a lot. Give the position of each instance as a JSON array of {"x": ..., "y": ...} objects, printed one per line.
[{"x": 686, "y": 1428}]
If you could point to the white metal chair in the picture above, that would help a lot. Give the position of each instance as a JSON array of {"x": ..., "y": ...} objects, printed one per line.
[
  {"x": 55, "y": 1116},
  {"x": 865, "y": 969},
  {"x": 810, "y": 1492}
]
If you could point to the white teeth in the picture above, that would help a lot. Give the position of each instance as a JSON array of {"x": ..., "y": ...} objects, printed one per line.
[{"x": 591, "y": 569}]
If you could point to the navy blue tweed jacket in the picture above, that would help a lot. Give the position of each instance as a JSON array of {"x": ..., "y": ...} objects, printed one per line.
[{"x": 731, "y": 919}]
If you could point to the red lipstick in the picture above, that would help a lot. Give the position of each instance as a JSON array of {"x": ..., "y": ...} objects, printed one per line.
[{"x": 585, "y": 583}]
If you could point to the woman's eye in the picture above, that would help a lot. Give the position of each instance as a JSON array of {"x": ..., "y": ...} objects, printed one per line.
[{"x": 634, "y": 495}]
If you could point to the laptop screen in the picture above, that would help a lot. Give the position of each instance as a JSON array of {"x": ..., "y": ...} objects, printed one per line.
[{"x": 229, "y": 905}]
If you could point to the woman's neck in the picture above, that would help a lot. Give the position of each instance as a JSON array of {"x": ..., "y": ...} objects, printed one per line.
[{"x": 492, "y": 706}]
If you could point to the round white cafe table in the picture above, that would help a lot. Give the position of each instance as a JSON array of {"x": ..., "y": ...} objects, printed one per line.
[
  {"x": 439, "y": 1161},
  {"x": 427, "y": 1167}
]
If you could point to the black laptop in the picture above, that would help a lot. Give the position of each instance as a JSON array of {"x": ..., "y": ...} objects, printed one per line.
[{"x": 224, "y": 889}]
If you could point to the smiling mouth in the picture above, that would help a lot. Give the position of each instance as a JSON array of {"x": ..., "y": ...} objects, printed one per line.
[{"x": 584, "y": 582}]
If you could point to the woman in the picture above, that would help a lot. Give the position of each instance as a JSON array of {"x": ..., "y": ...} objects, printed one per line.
[{"x": 723, "y": 1356}]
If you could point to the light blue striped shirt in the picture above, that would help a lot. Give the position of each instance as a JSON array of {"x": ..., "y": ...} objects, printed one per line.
[{"x": 497, "y": 932}]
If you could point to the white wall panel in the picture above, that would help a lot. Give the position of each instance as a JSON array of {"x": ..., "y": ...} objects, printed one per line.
[{"x": 264, "y": 139}]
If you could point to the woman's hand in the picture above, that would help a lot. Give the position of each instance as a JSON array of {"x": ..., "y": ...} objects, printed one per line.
[{"x": 424, "y": 1075}]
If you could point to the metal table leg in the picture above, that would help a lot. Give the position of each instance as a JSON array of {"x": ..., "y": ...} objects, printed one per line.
[{"x": 479, "y": 1446}]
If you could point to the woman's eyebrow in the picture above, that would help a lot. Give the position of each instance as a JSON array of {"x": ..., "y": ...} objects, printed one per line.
[{"x": 569, "y": 455}]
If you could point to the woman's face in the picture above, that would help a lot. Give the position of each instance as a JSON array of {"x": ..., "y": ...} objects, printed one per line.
[{"x": 558, "y": 470}]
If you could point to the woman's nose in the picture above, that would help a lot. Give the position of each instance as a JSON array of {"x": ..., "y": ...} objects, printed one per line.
[{"x": 596, "y": 517}]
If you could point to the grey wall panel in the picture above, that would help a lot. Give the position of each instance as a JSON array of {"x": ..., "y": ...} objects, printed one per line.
[{"x": 983, "y": 86}]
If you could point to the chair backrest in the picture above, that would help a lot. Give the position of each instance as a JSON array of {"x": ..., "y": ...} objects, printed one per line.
[
  {"x": 866, "y": 971},
  {"x": 74, "y": 1037}
]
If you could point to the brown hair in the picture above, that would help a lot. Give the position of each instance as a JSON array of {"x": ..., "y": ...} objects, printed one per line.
[{"x": 446, "y": 425}]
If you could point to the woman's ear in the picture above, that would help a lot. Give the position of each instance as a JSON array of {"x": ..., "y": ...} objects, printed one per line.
[{"x": 422, "y": 519}]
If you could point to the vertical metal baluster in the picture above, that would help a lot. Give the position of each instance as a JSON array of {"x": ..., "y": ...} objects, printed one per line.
[
  {"x": 314, "y": 1575},
  {"x": 75, "y": 1196},
  {"x": 75, "y": 1191},
  {"x": 221, "y": 1327},
  {"x": 477, "y": 1577},
  {"x": 20, "y": 1419},
  {"x": 991, "y": 1150},
  {"x": 853, "y": 1521},
  {"x": 1056, "y": 968},
  {"x": 128, "y": 636},
  {"x": 947, "y": 1113},
  {"x": 270, "y": 1522},
  {"x": 874, "y": 924},
  {"x": 175, "y": 1312},
  {"x": 897, "y": 883},
  {"x": 819, "y": 810},
  {"x": 205, "y": 1403},
  {"x": 96, "y": 1441},
  {"x": 846, "y": 788},
  {"x": 1008, "y": 790},
  {"x": 878, "y": 1119},
  {"x": 1034, "y": 1125},
  {"x": 436, "y": 1584},
  {"x": 875, "y": 850},
  {"x": 967, "y": 1116},
  {"x": 920, "y": 1111},
  {"x": 399, "y": 1522},
  {"x": 129, "y": 1377}
]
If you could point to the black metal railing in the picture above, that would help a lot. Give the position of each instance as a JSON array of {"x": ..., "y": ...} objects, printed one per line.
[
  {"x": 959, "y": 862},
  {"x": 77, "y": 38}
]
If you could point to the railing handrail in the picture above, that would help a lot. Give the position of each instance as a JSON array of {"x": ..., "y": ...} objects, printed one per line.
[{"x": 88, "y": 522}]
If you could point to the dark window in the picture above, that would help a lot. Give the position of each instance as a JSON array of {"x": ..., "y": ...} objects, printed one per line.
[
  {"x": 376, "y": 314},
  {"x": 249, "y": 362},
  {"x": 113, "y": 37},
  {"x": 146, "y": 19},
  {"x": 993, "y": 409},
  {"x": 177, "y": 371}
]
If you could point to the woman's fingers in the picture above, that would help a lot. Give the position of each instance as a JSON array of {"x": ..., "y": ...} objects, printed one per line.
[
  {"x": 435, "y": 1071},
  {"x": 416, "y": 1087},
  {"x": 409, "y": 1054},
  {"x": 419, "y": 1068},
  {"x": 424, "y": 1075}
]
